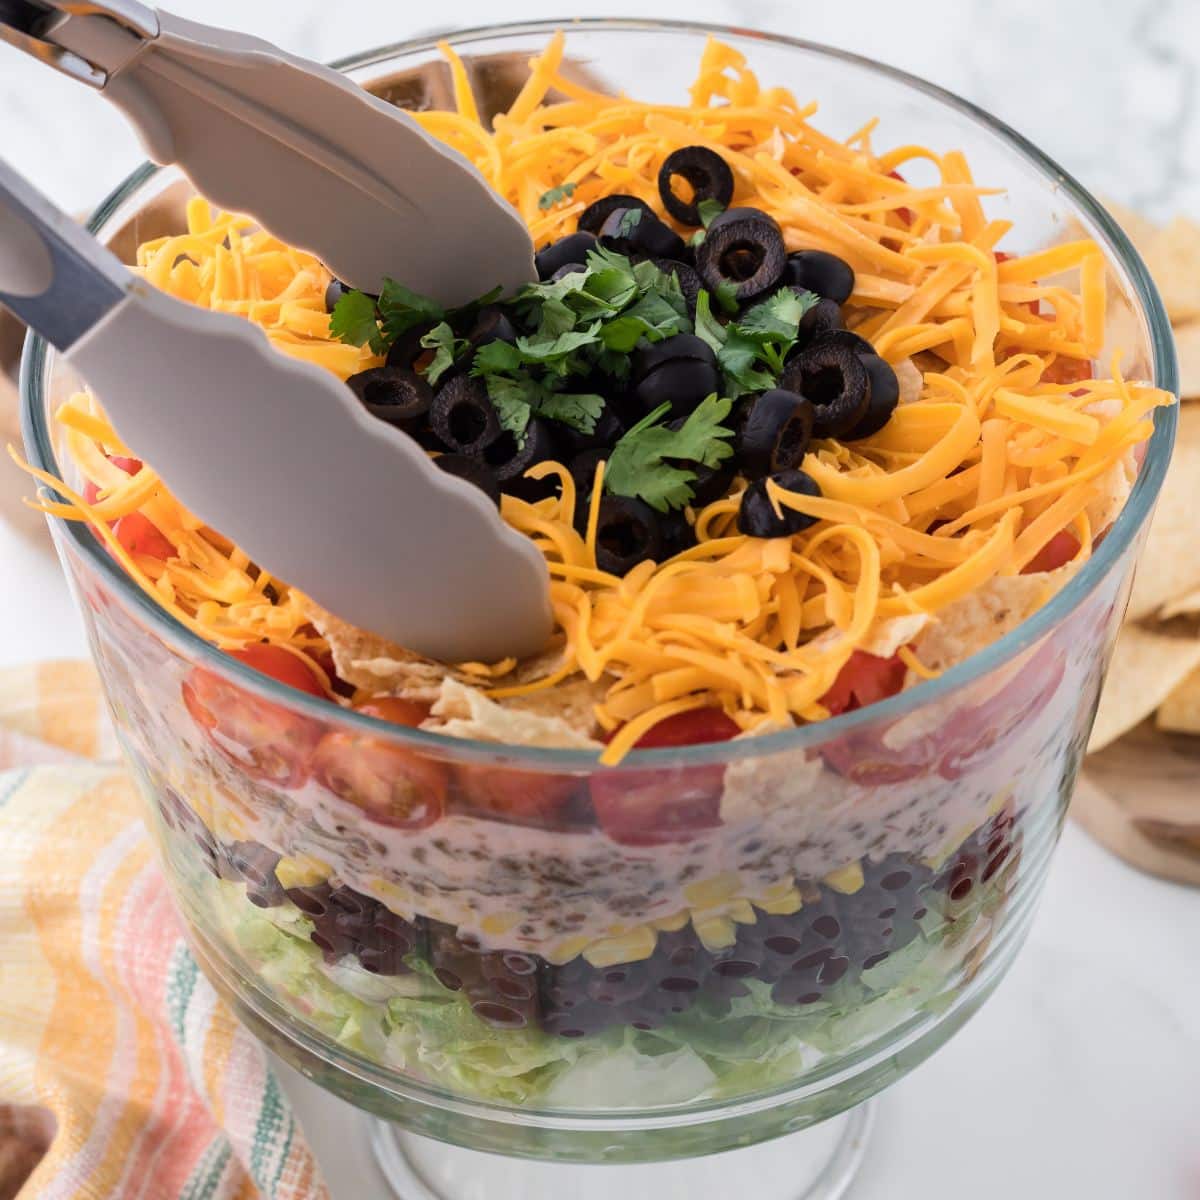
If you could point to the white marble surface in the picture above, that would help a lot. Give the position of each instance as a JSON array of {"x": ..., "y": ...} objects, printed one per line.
[{"x": 1080, "y": 1078}]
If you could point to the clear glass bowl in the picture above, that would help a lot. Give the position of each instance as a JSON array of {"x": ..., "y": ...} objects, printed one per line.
[{"x": 582, "y": 984}]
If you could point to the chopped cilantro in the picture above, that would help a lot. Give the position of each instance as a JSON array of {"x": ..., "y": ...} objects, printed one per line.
[
  {"x": 726, "y": 295},
  {"x": 642, "y": 463},
  {"x": 628, "y": 222},
  {"x": 709, "y": 209},
  {"x": 355, "y": 319},
  {"x": 400, "y": 309},
  {"x": 513, "y": 400},
  {"x": 579, "y": 412},
  {"x": 556, "y": 195},
  {"x": 448, "y": 348}
]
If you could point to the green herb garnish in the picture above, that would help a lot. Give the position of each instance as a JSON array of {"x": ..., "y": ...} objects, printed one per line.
[
  {"x": 642, "y": 463},
  {"x": 709, "y": 209},
  {"x": 447, "y": 347},
  {"x": 556, "y": 195}
]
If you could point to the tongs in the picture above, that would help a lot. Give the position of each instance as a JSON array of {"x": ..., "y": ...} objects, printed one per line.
[
  {"x": 276, "y": 453},
  {"x": 319, "y": 162}
]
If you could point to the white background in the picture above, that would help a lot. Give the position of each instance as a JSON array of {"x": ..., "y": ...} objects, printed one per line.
[{"x": 1082, "y": 1077}]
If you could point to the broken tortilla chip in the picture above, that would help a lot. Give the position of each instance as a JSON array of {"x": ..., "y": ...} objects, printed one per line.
[
  {"x": 1170, "y": 562},
  {"x": 1180, "y": 711},
  {"x": 1173, "y": 256},
  {"x": 1147, "y": 666},
  {"x": 1187, "y": 349},
  {"x": 465, "y": 712}
]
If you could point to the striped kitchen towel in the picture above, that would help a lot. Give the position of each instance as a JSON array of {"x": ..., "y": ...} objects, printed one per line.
[{"x": 122, "y": 1076}]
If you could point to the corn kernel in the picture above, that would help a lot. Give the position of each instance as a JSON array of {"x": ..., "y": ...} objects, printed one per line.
[
  {"x": 301, "y": 870},
  {"x": 634, "y": 946},
  {"x": 717, "y": 933},
  {"x": 847, "y": 880},
  {"x": 710, "y": 892}
]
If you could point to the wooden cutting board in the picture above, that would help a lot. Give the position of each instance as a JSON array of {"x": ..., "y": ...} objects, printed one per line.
[{"x": 1140, "y": 797}]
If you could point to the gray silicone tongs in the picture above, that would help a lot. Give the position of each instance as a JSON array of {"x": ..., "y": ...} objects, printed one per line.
[
  {"x": 276, "y": 453},
  {"x": 318, "y": 161}
]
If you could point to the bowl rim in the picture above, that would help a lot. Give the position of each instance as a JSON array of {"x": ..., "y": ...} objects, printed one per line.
[{"x": 1134, "y": 514}]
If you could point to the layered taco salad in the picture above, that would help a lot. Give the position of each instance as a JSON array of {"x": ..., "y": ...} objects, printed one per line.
[{"x": 794, "y": 433}]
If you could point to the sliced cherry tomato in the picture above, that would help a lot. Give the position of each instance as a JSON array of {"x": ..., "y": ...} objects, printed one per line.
[
  {"x": 1058, "y": 551},
  {"x": 391, "y": 784},
  {"x": 523, "y": 797},
  {"x": 1068, "y": 370},
  {"x": 862, "y": 756},
  {"x": 131, "y": 466},
  {"x": 865, "y": 679},
  {"x": 665, "y": 804},
  {"x": 263, "y": 738},
  {"x": 139, "y": 535},
  {"x": 904, "y": 213}
]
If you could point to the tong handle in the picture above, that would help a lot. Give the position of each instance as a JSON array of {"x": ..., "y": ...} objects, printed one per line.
[
  {"x": 53, "y": 274},
  {"x": 29, "y": 25}
]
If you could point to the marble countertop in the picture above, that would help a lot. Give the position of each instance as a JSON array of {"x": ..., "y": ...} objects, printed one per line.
[{"x": 1080, "y": 1077}]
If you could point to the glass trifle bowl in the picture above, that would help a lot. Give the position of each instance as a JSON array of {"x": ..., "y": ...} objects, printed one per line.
[{"x": 538, "y": 966}]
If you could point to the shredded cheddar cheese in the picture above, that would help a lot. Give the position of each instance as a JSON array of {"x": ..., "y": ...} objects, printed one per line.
[{"x": 967, "y": 482}]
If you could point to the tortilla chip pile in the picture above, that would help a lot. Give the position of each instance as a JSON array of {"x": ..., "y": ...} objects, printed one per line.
[{"x": 1156, "y": 667}]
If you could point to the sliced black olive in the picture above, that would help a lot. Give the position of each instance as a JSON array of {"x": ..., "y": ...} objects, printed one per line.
[
  {"x": 407, "y": 350},
  {"x": 571, "y": 250},
  {"x": 639, "y": 231},
  {"x": 843, "y": 337},
  {"x": 510, "y": 461},
  {"x": 680, "y": 371},
  {"x": 605, "y": 432},
  {"x": 464, "y": 466},
  {"x": 743, "y": 249},
  {"x": 883, "y": 394},
  {"x": 690, "y": 283},
  {"x": 334, "y": 293},
  {"x": 677, "y": 534},
  {"x": 775, "y": 433},
  {"x": 709, "y": 176},
  {"x": 583, "y": 471},
  {"x": 834, "y": 380},
  {"x": 628, "y": 533},
  {"x": 597, "y": 212},
  {"x": 393, "y": 394},
  {"x": 462, "y": 416},
  {"x": 820, "y": 272},
  {"x": 824, "y": 317},
  {"x": 681, "y": 345},
  {"x": 757, "y": 516},
  {"x": 491, "y": 325}
]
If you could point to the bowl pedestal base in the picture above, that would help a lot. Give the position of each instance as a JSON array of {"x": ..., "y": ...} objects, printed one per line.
[{"x": 816, "y": 1164}]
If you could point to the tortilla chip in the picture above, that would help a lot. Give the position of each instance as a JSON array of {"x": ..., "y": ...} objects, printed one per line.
[
  {"x": 373, "y": 663},
  {"x": 1180, "y": 711},
  {"x": 1146, "y": 668},
  {"x": 1138, "y": 229},
  {"x": 462, "y": 711},
  {"x": 986, "y": 614},
  {"x": 573, "y": 700},
  {"x": 886, "y": 636},
  {"x": 1170, "y": 564},
  {"x": 1187, "y": 605},
  {"x": 1187, "y": 347},
  {"x": 1112, "y": 490},
  {"x": 910, "y": 379},
  {"x": 1173, "y": 256}
]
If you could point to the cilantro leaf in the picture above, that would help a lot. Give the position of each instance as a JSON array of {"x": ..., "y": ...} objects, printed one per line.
[
  {"x": 709, "y": 209},
  {"x": 496, "y": 358},
  {"x": 579, "y": 412},
  {"x": 547, "y": 348},
  {"x": 448, "y": 348},
  {"x": 779, "y": 315},
  {"x": 643, "y": 462},
  {"x": 652, "y": 317},
  {"x": 400, "y": 309},
  {"x": 355, "y": 320},
  {"x": 629, "y": 220},
  {"x": 513, "y": 400},
  {"x": 556, "y": 195},
  {"x": 707, "y": 326},
  {"x": 739, "y": 358},
  {"x": 726, "y": 295}
]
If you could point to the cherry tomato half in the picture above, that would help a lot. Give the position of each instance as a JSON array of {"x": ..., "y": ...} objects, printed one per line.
[
  {"x": 904, "y": 213},
  {"x": 263, "y": 738},
  {"x": 522, "y": 797},
  {"x": 864, "y": 679},
  {"x": 666, "y": 804},
  {"x": 1057, "y": 552},
  {"x": 1068, "y": 370},
  {"x": 131, "y": 466},
  {"x": 391, "y": 784},
  {"x": 139, "y": 535}
]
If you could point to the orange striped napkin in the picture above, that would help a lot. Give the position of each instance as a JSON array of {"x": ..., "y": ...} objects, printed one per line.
[{"x": 122, "y": 1076}]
